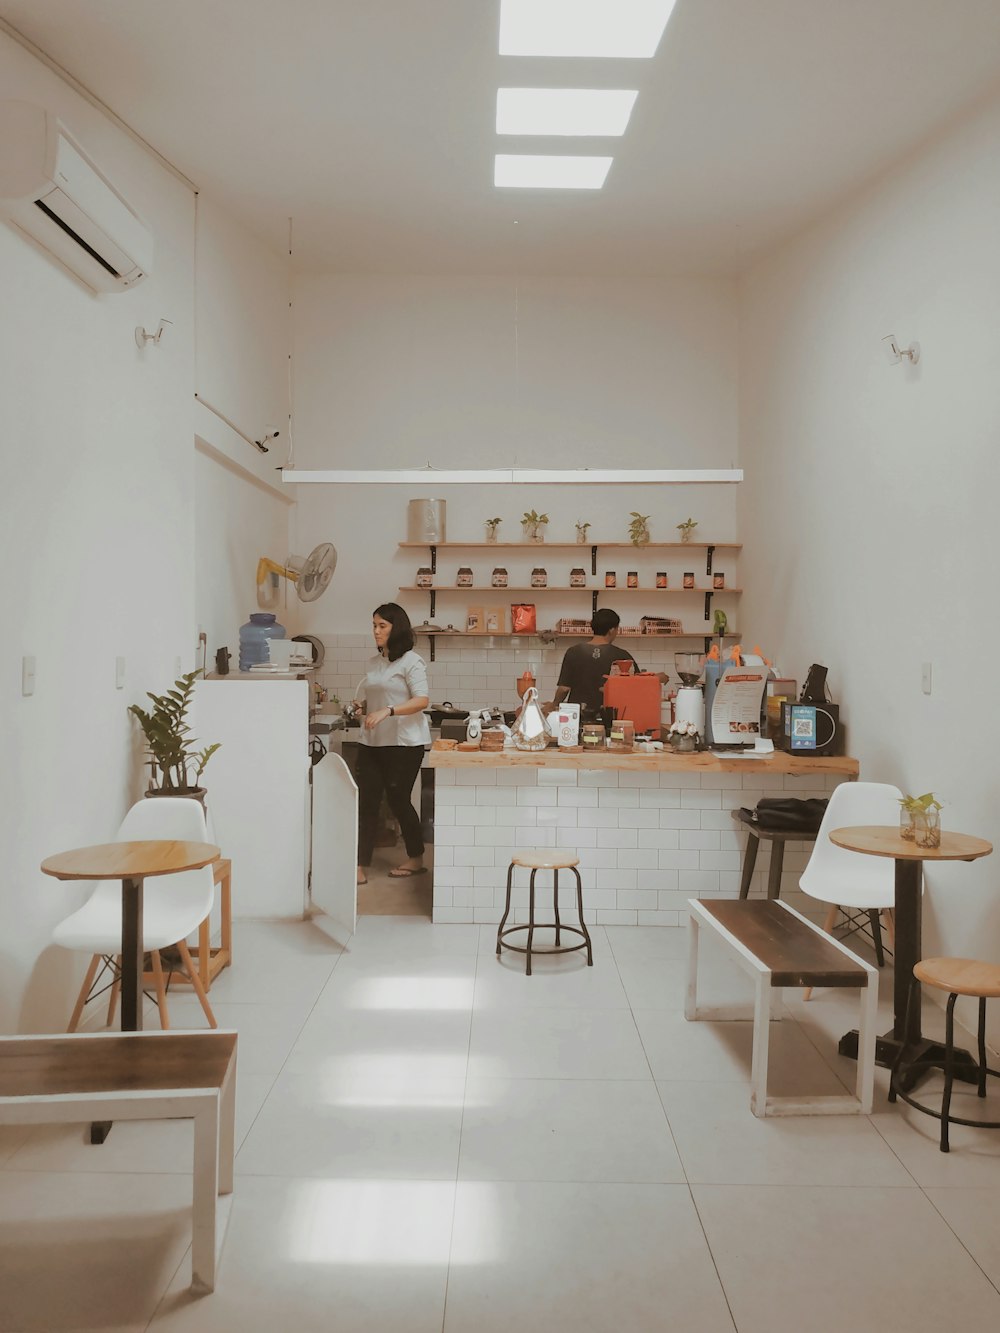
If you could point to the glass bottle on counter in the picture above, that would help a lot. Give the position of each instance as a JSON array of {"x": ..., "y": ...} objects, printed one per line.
[{"x": 592, "y": 735}]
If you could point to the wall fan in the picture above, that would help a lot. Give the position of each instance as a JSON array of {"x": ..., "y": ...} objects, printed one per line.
[{"x": 310, "y": 576}]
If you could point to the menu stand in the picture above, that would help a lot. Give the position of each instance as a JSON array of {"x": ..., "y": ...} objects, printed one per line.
[{"x": 905, "y": 1041}]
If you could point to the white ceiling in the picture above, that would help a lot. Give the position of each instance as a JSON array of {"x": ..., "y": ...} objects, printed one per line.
[{"x": 370, "y": 122}]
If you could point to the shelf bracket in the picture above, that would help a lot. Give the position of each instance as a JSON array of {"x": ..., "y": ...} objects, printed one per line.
[
  {"x": 593, "y": 560},
  {"x": 434, "y": 604},
  {"x": 707, "y": 642},
  {"x": 434, "y": 646},
  {"x": 593, "y": 603},
  {"x": 709, "y": 553},
  {"x": 434, "y": 562},
  {"x": 708, "y": 604}
]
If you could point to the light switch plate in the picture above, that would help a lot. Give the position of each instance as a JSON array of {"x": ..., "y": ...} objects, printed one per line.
[{"x": 27, "y": 676}]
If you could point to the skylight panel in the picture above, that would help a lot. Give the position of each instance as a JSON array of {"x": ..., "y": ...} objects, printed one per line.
[
  {"x": 539, "y": 171},
  {"x": 611, "y": 28},
  {"x": 564, "y": 111}
]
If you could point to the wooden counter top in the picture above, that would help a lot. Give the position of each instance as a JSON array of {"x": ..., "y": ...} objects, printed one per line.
[{"x": 639, "y": 761}]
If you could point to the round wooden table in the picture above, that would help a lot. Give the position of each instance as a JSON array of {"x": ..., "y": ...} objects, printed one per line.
[
  {"x": 879, "y": 840},
  {"x": 131, "y": 862}
]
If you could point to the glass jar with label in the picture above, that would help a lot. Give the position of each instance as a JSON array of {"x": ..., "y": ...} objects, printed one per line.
[
  {"x": 622, "y": 735},
  {"x": 592, "y": 736},
  {"x": 689, "y": 579},
  {"x": 718, "y": 581},
  {"x": 539, "y": 577},
  {"x": 425, "y": 579},
  {"x": 610, "y": 579},
  {"x": 464, "y": 578},
  {"x": 632, "y": 579},
  {"x": 499, "y": 579},
  {"x": 661, "y": 578},
  {"x": 578, "y": 578}
]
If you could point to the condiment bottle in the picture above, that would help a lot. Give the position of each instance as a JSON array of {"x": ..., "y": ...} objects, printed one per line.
[
  {"x": 464, "y": 579},
  {"x": 632, "y": 579},
  {"x": 689, "y": 579},
  {"x": 499, "y": 577},
  {"x": 610, "y": 580},
  {"x": 425, "y": 579},
  {"x": 578, "y": 578},
  {"x": 539, "y": 577},
  {"x": 661, "y": 578}
]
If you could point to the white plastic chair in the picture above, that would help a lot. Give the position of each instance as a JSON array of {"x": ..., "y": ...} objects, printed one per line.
[
  {"x": 173, "y": 906},
  {"x": 849, "y": 882}
]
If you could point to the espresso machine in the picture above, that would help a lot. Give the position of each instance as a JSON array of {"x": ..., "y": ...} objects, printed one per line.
[{"x": 689, "y": 701}]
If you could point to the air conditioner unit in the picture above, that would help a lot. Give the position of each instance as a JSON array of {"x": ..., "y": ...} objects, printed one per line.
[{"x": 54, "y": 193}]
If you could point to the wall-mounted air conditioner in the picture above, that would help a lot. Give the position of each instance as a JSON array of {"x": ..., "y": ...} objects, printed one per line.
[{"x": 53, "y": 192}]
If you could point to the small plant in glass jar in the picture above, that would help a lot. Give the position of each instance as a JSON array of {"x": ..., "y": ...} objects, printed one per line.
[
  {"x": 491, "y": 528},
  {"x": 581, "y": 533},
  {"x": 686, "y": 529},
  {"x": 683, "y": 736},
  {"x": 638, "y": 529},
  {"x": 533, "y": 525},
  {"x": 920, "y": 820}
]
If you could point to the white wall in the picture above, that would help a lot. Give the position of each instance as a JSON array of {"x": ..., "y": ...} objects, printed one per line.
[
  {"x": 480, "y": 372},
  {"x": 869, "y": 510},
  {"x": 98, "y": 536}
]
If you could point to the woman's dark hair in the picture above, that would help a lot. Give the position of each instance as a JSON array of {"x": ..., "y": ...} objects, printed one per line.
[{"x": 400, "y": 639}]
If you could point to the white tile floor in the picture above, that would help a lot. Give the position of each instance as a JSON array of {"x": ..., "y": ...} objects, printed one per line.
[{"x": 430, "y": 1140}]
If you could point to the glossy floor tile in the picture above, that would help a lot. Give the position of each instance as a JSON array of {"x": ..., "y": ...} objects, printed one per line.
[{"x": 430, "y": 1141}]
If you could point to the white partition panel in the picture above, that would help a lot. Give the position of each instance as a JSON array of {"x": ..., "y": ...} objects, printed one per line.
[
  {"x": 335, "y": 842},
  {"x": 258, "y": 787}
]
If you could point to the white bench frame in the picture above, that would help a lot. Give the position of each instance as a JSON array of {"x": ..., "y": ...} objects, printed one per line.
[
  {"x": 212, "y": 1110},
  {"x": 760, "y": 1104}
]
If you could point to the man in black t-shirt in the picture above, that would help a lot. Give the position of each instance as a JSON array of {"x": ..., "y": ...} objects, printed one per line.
[{"x": 586, "y": 666}]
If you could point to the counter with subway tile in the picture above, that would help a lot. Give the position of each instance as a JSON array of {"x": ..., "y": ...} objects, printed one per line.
[{"x": 651, "y": 830}]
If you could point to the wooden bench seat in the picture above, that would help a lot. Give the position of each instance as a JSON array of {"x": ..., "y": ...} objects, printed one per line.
[
  {"x": 136, "y": 1076},
  {"x": 779, "y": 947}
]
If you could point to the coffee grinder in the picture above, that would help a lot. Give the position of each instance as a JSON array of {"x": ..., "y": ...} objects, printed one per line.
[{"x": 689, "y": 701}]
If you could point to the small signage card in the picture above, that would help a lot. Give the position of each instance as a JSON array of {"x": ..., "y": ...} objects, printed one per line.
[{"x": 736, "y": 706}]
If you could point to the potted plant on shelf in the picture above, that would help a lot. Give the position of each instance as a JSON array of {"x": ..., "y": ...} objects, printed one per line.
[
  {"x": 170, "y": 746},
  {"x": 638, "y": 529},
  {"x": 683, "y": 736},
  {"x": 491, "y": 528},
  {"x": 581, "y": 533},
  {"x": 533, "y": 525},
  {"x": 686, "y": 529},
  {"x": 920, "y": 820}
]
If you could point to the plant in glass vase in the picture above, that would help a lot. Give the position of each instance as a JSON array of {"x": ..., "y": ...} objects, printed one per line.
[
  {"x": 491, "y": 528},
  {"x": 581, "y": 532},
  {"x": 920, "y": 820},
  {"x": 686, "y": 529},
  {"x": 533, "y": 525},
  {"x": 638, "y": 529}
]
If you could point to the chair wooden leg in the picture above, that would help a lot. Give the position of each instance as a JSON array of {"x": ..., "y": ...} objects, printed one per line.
[
  {"x": 192, "y": 972},
  {"x": 81, "y": 999},
  {"x": 161, "y": 990},
  {"x": 116, "y": 986},
  {"x": 889, "y": 921},
  {"x": 829, "y": 921}
]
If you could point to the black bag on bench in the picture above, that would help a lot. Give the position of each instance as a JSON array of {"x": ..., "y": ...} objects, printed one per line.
[{"x": 786, "y": 814}]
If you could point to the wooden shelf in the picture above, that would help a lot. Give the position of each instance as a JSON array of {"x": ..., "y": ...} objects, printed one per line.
[
  {"x": 555, "y": 634},
  {"x": 660, "y": 592},
  {"x": 582, "y": 546}
]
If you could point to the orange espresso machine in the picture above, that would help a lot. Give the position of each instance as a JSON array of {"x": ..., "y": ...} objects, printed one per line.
[{"x": 636, "y": 698}]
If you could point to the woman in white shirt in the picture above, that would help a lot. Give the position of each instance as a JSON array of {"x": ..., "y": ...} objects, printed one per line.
[{"x": 394, "y": 736}]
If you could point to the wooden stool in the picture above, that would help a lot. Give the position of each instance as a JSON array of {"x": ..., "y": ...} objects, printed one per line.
[
  {"x": 136, "y": 1076},
  {"x": 777, "y": 838},
  {"x": 210, "y": 961},
  {"x": 554, "y": 859},
  {"x": 957, "y": 976}
]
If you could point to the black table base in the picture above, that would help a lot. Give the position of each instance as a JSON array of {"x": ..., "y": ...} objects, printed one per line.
[
  {"x": 924, "y": 1053},
  {"x": 131, "y": 977}
]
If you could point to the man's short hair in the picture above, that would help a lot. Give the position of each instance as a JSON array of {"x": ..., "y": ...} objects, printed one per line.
[{"x": 605, "y": 620}]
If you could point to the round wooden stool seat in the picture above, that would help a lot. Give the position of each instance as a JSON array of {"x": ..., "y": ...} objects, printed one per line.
[
  {"x": 960, "y": 976},
  {"x": 545, "y": 858}
]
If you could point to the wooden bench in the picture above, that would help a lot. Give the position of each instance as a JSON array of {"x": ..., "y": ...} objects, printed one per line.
[
  {"x": 136, "y": 1076},
  {"x": 779, "y": 947}
]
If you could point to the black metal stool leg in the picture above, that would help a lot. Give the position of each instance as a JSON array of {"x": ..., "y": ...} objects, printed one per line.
[
  {"x": 876, "y": 926},
  {"x": 981, "y": 1090},
  {"x": 583, "y": 924},
  {"x": 506, "y": 910},
  {"x": 555, "y": 901},
  {"x": 949, "y": 1068},
  {"x": 749, "y": 861},
  {"x": 531, "y": 917}
]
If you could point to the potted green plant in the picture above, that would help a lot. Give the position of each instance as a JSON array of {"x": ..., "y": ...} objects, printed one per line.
[
  {"x": 491, "y": 528},
  {"x": 686, "y": 529},
  {"x": 581, "y": 532},
  {"x": 638, "y": 529},
  {"x": 920, "y": 819},
  {"x": 533, "y": 525},
  {"x": 169, "y": 743}
]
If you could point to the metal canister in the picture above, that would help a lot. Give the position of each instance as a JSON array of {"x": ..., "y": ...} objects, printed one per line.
[{"x": 425, "y": 521}]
